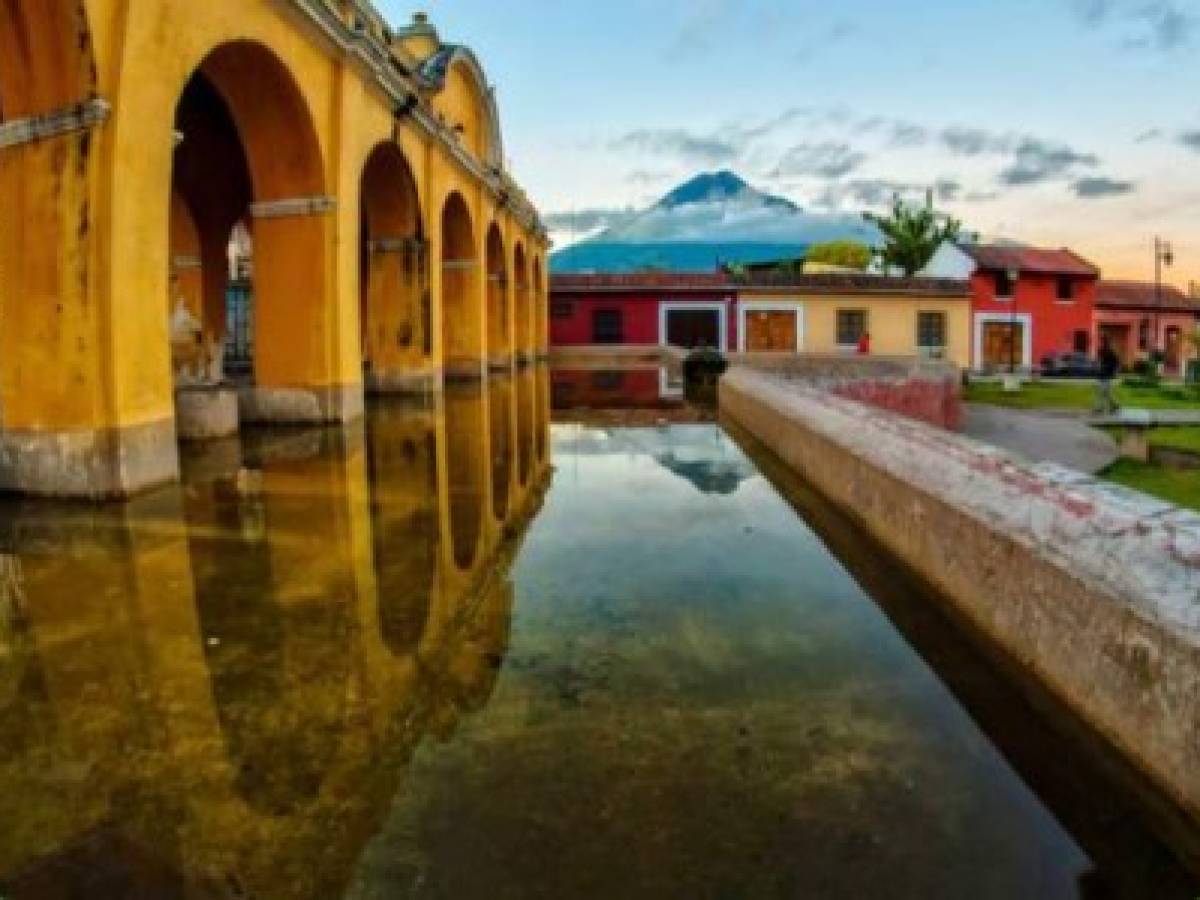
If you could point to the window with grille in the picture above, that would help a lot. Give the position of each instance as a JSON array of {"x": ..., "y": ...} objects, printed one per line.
[
  {"x": 931, "y": 331},
  {"x": 1066, "y": 289},
  {"x": 608, "y": 326},
  {"x": 851, "y": 326},
  {"x": 1004, "y": 285}
]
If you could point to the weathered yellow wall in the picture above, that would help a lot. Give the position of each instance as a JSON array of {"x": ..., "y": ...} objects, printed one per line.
[
  {"x": 891, "y": 320},
  {"x": 85, "y": 245}
]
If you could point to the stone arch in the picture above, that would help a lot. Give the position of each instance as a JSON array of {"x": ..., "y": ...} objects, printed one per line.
[
  {"x": 393, "y": 269},
  {"x": 523, "y": 302},
  {"x": 466, "y": 469},
  {"x": 248, "y": 150},
  {"x": 499, "y": 322},
  {"x": 462, "y": 317},
  {"x": 500, "y": 441},
  {"x": 465, "y": 101}
]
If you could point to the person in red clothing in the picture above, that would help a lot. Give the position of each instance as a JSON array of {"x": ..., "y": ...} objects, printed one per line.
[{"x": 864, "y": 343}]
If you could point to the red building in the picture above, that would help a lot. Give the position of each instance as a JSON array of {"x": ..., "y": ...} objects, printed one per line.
[
  {"x": 1138, "y": 317},
  {"x": 647, "y": 308},
  {"x": 1028, "y": 303}
]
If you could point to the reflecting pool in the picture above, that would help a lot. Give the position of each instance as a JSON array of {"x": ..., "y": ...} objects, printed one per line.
[{"x": 458, "y": 651}]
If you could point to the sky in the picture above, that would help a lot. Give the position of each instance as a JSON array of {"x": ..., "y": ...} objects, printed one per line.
[{"x": 1056, "y": 122}]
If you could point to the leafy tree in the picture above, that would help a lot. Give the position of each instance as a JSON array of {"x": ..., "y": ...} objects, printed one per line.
[
  {"x": 848, "y": 254},
  {"x": 912, "y": 234}
]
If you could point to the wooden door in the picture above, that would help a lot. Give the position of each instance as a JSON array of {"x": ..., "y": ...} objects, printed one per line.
[
  {"x": 1003, "y": 343},
  {"x": 771, "y": 331}
]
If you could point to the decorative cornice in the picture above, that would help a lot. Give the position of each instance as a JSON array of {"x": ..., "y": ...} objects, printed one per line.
[
  {"x": 80, "y": 117},
  {"x": 378, "y": 63}
]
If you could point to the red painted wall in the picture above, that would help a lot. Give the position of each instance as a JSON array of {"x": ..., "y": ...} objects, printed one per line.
[
  {"x": 932, "y": 401},
  {"x": 639, "y": 308},
  {"x": 1054, "y": 322}
]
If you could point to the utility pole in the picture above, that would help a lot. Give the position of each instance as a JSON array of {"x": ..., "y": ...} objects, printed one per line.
[{"x": 1164, "y": 255}]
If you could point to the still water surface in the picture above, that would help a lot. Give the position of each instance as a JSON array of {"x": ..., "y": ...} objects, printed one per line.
[{"x": 464, "y": 653}]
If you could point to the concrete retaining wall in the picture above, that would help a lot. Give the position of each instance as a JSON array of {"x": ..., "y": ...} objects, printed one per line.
[{"x": 1092, "y": 588}]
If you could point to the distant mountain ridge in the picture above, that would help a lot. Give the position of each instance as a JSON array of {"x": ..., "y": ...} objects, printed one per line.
[{"x": 714, "y": 217}]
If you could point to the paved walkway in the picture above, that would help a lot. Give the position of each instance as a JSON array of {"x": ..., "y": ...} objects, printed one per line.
[{"x": 1042, "y": 436}]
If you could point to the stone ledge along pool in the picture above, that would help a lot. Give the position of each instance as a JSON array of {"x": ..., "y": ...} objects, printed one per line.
[{"x": 462, "y": 650}]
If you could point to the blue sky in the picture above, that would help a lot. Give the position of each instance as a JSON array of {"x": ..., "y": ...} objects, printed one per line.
[{"x": 1065, "y": 122}]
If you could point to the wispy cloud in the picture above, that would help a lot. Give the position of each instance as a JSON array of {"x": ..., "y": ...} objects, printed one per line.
[
  {"x": 707, "y": 149},
  {"x": 829, "y": 160},
  {"x": 967, "y": 141},
  {"x": 1191, "y": 140},
  {"x": 1036, "y": 161},
  {"x": 875, "y": 192},
  {"x": 825, "y": 39},
  {"x": 1099, "y": 188},
  {"x": 1151, "y": 134},
  {"x": 1162, "y": 25}
]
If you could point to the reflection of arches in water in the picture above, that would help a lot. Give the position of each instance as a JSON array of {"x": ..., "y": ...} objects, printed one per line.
[
  {"x": 278, "y": 668},
  {"x": 465, "y": 468},
  {"x": 500, "y": 433},
  {"x": 403, "y": 475},
  {"x": 541, "y": 419},
  {"x": 525, "y": 424}
]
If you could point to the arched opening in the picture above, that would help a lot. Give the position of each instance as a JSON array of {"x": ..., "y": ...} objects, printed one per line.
[
  {"x": 525, "y": 424},
  {"x": 524, "y": 316},
  {"x": 393, "y": 270},
  {"x": 500, "y": 439},
  {"x": 247, "y": 155},
  {"x": 539, "y": 317},
  {"x": 48, "y": 374},
  {"x": 462, "y": 318},
  {"x": 499, "y": 349},
  {"x": 465, "y": 469}
]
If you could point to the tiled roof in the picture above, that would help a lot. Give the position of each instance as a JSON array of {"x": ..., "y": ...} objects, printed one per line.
[
  {"x": 1144, "y": 295},
  {"x": 854, "y": 283},
  {"x": 679, "y": 281},
  {"x": 1004, "y": 257}
]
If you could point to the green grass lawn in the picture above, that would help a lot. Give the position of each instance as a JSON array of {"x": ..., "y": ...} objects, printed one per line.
[
  {"x": 1059, "y": 395},
  {"x": 1173, "y": 485},
  {"x": 1182, "y": 438}
]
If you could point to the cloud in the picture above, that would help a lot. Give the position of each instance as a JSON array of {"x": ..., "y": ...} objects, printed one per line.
[
  {"x": 587, "y": 220},
  {"x": 1036, "y": 161},
  {"x": 837, "y": 33},
  {"x": 881, "y": 191},
  {"x": 908, "y": 134},
  {"x": 709, "y": 149},
  {"x": 649, "y": 176},
  {"x": 1152, "y": 134},
  {"x": 701, "y": 24},
  {"x": 1097, "y": 188},
  {"x": 829, "y": 160},
  {"x": 1162, "y": 25},
  {"x": 966, "y": 141},
  {"x": 1191, "y": 140}
]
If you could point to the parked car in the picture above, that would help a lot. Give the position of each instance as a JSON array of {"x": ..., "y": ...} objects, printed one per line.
[{"x": 1070, "y": 365}]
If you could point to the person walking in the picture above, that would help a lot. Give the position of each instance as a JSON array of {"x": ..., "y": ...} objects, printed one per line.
[{"x": 1110, "y": 365}]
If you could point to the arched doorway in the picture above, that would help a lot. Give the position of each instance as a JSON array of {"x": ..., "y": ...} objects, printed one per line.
[
  {"x": 462, "y": 317},
  {"x": 393, "y": 272},
  {"x": 524, "y": 320},
  {"x": 499, "y": 322},
  {"x": 247, "y": 152}
]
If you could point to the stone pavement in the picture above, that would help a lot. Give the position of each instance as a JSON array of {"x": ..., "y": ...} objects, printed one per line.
[{"x": 1042, "y": 436}]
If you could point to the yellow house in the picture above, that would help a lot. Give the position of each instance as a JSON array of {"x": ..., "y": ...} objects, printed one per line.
[{"x": 829, "y": 313}]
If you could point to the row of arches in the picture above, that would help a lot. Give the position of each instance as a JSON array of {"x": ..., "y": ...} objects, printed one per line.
[
  {"x": 227, "y": 176},
  {"x": 300, "y": 258}
]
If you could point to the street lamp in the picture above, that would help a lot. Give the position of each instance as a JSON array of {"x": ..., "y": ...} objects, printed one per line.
[{"x": 1164, "y": 255}]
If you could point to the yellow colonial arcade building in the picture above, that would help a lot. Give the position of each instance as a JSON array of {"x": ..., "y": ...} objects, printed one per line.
[{"x": 358, "y": 169}]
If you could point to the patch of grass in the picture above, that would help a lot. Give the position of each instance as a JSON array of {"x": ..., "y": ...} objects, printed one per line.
[
  {"x": 1059, "y": 395},
  {"x": 1182, "y": 438},
  {"x": 1175, "y": 486},
  {"x": 1035, "y": 395}
]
